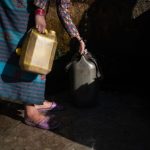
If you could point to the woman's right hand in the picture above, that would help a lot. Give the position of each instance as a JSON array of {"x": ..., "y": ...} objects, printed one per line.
[{"x": 40, "y": 23}]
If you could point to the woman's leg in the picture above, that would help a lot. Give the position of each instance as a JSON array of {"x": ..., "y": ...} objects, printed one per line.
[{"x": 48, "y": 105}]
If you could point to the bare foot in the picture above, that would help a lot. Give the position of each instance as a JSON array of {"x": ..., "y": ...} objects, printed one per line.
[
  {"x": 36, "y": 119},
  {"x": 33, "y": 114}
]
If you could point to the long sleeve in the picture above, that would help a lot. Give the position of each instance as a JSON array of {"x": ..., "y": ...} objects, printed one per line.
[
  {"x": 62, "y": 8},
  {"x": 41, "y": 3}
]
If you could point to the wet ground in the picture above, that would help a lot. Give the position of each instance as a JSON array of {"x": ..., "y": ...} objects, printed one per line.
[{"x": 120, "y": 121}]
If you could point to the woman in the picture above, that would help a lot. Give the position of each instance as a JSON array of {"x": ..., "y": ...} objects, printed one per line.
[{"x": 16, "y": 17}]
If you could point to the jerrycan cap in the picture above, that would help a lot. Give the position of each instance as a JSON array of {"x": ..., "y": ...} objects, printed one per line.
[{"x": 52, "y": 32}]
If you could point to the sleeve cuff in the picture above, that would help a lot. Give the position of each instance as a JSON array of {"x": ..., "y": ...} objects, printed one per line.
[{"x": 40, "y": 4}]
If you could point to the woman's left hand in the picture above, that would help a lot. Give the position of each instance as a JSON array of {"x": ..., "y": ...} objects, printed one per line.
[{"x": 82, "y": 49}]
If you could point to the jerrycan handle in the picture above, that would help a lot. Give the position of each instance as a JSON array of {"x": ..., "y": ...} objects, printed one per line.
[
  {"x": 45, "y": 31},
  {"x": 88, "y": 56}
]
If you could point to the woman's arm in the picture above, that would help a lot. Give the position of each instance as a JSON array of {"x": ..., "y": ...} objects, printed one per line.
[
  {"x": 41, "y": 3},
  {"x": 40, "y": 13},
  {"x": 62, "y": 8}
]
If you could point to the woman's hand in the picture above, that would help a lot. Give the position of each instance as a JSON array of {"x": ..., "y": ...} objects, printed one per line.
[
  {"x": 82, "y": 49},
  {"x": 40, "y": 23}
]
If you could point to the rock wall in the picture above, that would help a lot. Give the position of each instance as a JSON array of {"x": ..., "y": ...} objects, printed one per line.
[
  {"x": 115, "y": 31},
  {"x": 101, "y": 19},
  {"x": 76, "y": 11}
]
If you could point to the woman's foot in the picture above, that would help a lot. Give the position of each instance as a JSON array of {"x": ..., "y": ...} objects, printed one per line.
[
  {"x": 49, "y": 106},
  {"x": 48, "y": 123},
  {"x": 34, "y": 118}
]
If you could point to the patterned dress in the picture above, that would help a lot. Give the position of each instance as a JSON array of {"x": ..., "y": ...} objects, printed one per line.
[{"x": 15, "y": 16}]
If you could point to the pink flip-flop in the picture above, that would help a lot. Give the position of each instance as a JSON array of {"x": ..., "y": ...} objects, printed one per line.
[
  {"x": 54, "y": 107},
  {"x": 49, "y": 123}
]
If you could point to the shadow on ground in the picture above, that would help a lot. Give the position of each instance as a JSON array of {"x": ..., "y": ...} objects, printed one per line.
[
  {"x": 119, "y": 121},
  {"x": 12, "y": 110}
]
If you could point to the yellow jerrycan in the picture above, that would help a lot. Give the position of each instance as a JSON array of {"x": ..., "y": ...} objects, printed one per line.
[{"x": 38, "y": 51}]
